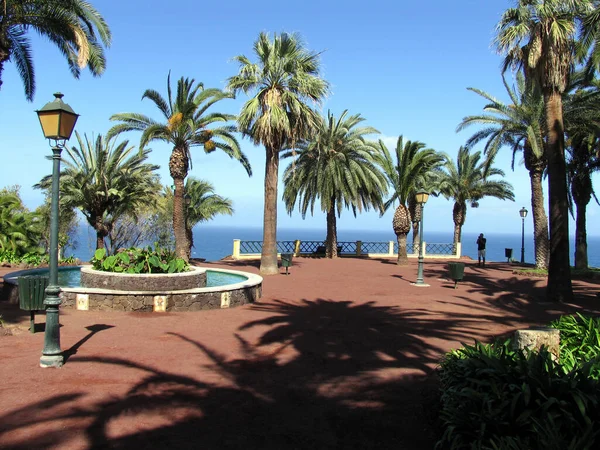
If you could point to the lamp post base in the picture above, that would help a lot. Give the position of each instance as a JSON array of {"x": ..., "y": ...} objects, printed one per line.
[
  {"x": 55, "y": 361},
  {"x": 417, "y": 284}
]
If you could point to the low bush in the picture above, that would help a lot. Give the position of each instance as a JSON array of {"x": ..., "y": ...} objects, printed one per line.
[
  {"x": 139, "y": 260},
  {"x": 495, "y": 397}
]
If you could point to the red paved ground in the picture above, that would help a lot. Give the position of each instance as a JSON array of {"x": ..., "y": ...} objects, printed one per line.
[{"x": 339, "y": 354}]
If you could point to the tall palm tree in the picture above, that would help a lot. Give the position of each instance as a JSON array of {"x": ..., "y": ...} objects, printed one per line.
[
  {"x": 202, "y": 205},
  {"x": 519, "y": 126},
  {"x": 414, "y": 168},
  {"x": 582, "y": 125},
  {"x": 539, "y": 37},
  {"x": 337, "y": 167},
  {"x": 283, "y": 80},
  {"x": 74, "y": 26},
  {"x": 105, "y": 180},
  {"x": 468, "y": 181},
  {"x": 187, "y": 124}
]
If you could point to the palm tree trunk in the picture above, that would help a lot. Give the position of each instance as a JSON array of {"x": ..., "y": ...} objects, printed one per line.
[
  {"x": 540, "y": 220},
  {"x": 581, "y": 255},
  {"x": 190, "y": 240},
  {"x": 181, "y": 244},
  {"x": 101, "y": 231},
  {"x": 402, "y": 256},
  {"x": 459, "y": 215},
  {"x": 268, "y": 257},
  {"x": 331, "y": 240},
  {"x": 457, "y": 234},
  {"x": 559, "y": 287}
]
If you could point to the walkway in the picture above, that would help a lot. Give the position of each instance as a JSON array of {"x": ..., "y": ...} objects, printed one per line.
[{"x": 337, "y": 355}]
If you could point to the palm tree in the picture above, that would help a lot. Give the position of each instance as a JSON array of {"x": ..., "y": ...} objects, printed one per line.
[
  {"x": 518, "y": 125},
  {"x": 105, "y": 180},
  {"x": 284, "y": 79},
  {"x": 202, "y": 204},
  {"x": 74, "y": 26},
  {"x": 414, "y": 168},
  {"x": 187, "y": 124},
  {"x": 539, "y": 37},
  {"x": 582, "y": 117},
  {"x": 468, "y": 181},
  {"x": 337, "y": 167}
]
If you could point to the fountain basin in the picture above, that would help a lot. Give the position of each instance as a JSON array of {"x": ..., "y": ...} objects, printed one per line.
[{"x": 157, "y": 298}]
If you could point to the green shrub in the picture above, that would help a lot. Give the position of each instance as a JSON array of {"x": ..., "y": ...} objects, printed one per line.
[
  {"x": 139, "y": 260},
  {"x": 579, "y": 342},
  {"x": 494, "y": 397}
]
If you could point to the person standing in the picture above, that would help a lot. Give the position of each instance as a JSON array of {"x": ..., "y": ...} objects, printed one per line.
[{"x": 481, "y": 249}]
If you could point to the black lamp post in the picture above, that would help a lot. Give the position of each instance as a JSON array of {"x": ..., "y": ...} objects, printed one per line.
[
  {"x": 523, "y": 214},
  {"x": 58, "y": 121},
  {"x": 421, "y": 197}
]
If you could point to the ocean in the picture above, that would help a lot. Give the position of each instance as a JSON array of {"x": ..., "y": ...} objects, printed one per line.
[{"x": 214, "y": 243}]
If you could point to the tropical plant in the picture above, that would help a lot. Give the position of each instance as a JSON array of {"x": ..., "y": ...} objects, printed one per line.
[
  {"x": 139, "y": 260},
  {"x": 74, "y": 26},
  {"x": 202, "y": 205},
  {"x": 539, "y": 37},
  {"x": 20, "y": 229},
  {"x": 496, "y": 397},
  {"x": 415, "y": 167},
  {"x": 519, "y": 126},
  {"x": 187, "y": 124},
  {"x": 284, "y": 79},
  {"x": 468, "y": 181},
  {"x": 337, "y": 167},
  {"x": 105, "y": 180}
]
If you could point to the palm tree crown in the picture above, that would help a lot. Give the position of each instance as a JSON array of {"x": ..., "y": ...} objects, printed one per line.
[
  {"x": 336, "y": 167},
  {"x": 74, "y": 26},
  {"x": 105, "y": 180}
]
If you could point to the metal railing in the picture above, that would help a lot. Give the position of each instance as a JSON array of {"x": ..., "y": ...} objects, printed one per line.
[{"x": 248, "y": 249}]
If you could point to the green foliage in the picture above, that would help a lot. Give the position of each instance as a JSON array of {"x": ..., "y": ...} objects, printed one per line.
[
  {"x": 139, "y": 260},
  {"x": 579, "y": 342},
  {"x": 495, "y": 397}
]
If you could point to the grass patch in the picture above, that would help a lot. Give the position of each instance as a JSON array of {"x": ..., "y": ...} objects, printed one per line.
[{"x": 591, "y": 273}]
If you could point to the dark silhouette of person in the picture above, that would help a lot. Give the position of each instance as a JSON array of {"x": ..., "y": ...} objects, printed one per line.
[{"x": 481, "y": 249}]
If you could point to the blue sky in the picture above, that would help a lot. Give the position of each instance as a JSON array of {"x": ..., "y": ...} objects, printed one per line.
[{"x": 404, "y": 66}]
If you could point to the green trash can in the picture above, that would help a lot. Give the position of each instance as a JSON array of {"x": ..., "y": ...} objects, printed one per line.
[
  {"x": 286, "y": 261},
  {"x": 32, "y": 291},
  {"x": 457, "y": 272}
]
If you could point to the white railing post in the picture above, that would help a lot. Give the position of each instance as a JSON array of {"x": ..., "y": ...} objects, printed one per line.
[
  {"x": 236, "y": 249},
  {"x": 459, "y": 249},
  {"x": 424, "y": 248},
  {"x": 296, "y": 247},
  {"x": 391, "y": 248}
]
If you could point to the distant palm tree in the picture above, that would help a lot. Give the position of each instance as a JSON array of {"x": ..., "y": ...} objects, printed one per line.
[
  {"x": 284, "y": 79},
  {"x": 105, "y": 180},
  {"x": 414, "y": 167},
  {"x": 187, "y": 124},
  {"x": 538, "y": 36},
  {"x": 202, "y": 205},
  {"x": 468, "y": 181},
  {"x": 520, "y": 126},
  {"x": 74, "y": 26},
  {"x": 336, "y": 167}
]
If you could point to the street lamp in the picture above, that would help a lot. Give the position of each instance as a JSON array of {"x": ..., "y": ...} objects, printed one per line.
[
  {"x": 58, "y": 121},
  {"x": 523, "y": 214},
  {"x": 421, "y": 198}
]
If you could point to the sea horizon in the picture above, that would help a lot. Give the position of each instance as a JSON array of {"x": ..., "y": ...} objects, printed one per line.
[{"x": 214, "y": 243}]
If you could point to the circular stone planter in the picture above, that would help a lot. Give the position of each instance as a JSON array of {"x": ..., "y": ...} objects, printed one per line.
[{"x": 194, "y": 278}]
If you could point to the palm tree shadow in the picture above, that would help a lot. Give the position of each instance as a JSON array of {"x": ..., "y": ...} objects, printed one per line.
[
  {"x": 323, "y": 374},
  {"x": 93, "y": 329}
]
